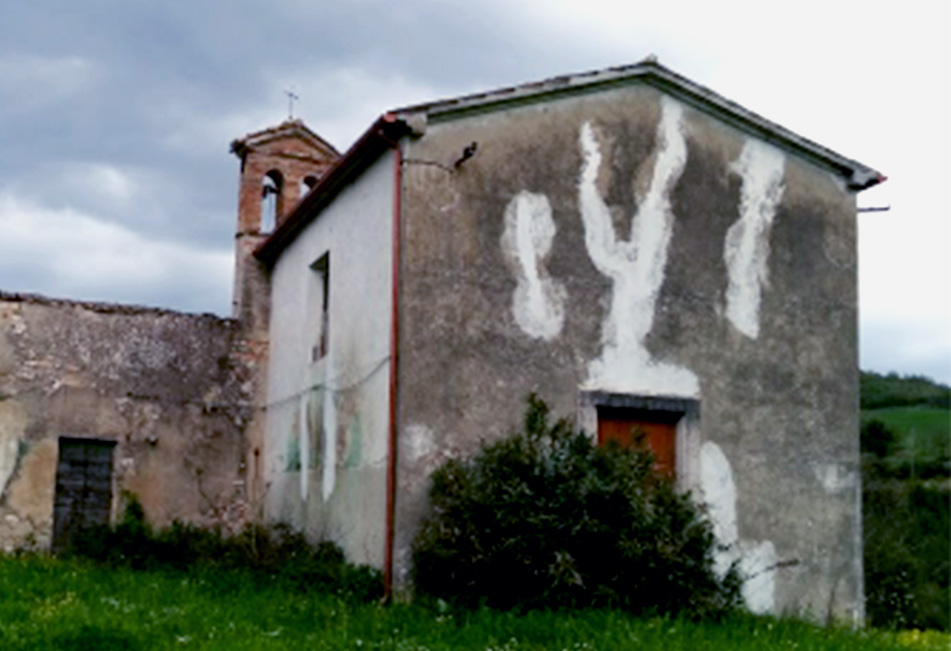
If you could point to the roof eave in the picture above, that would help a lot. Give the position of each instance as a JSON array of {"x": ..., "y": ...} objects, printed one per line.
[
  {"x": 857, "y": 176},
  {"x": 382, "y": 135}
]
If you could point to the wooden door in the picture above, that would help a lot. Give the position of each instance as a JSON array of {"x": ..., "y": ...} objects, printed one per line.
[
  {"x": 83, "y": 487},
  {"x": 655, "y": 430}
]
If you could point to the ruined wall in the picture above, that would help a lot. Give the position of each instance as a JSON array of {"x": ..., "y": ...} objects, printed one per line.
[
  {"x": 625, "y": 242},
  {"x": 328, "y": 404},
  {"x": 171, "y": 390}
]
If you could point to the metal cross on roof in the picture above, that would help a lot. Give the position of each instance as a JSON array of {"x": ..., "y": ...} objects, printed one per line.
[{"x": 291, "y": 97}]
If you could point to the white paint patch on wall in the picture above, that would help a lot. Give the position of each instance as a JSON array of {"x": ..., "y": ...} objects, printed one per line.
[
  {"x": 746, "y": 248},
  {"x": 9, "y": 446},
  {"x": 12, "y": 429},
  {"x": 304, "y": 445},
  {"x": 756, "y": 560},
  {"x": 758, "y": 569},
  {"x": 538, "y": 302},
  {"x": 420, "y": 442},
  {"x": 329, "y": 457},
  {"x": 635, "y": 266},
  {"x": 719, "y": 493},
  {"x": 834, "y": 477},
  {"x": 423, "y": 450}
]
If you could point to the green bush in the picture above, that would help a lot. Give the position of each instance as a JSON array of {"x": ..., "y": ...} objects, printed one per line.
[
  {"x": 267, "y": 555},
  {"x": 907, "y": 555},
  {"x": 878, "y": 439},
  {"x": 548, "y": 519}
]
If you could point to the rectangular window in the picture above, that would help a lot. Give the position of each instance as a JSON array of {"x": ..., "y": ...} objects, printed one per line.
[{"x": 319, "y": 306}]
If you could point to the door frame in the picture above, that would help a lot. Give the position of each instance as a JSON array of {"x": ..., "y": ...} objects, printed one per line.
[
  {"x": 685, "y": 410},
  {"x": 56, "y": 543}
]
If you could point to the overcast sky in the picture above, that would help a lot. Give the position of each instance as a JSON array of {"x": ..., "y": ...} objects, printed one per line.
[{"x": 115, "y": 118}]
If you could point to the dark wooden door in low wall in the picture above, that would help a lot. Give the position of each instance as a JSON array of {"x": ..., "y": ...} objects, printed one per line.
[{"x": 83, "y": 487}]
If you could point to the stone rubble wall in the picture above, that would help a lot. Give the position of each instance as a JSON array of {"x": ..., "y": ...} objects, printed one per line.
[{"x": 173, "y": 391}]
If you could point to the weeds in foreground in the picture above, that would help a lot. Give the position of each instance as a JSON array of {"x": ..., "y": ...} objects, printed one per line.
[
  {"x": 67, "y": 604},
  {"x": 259, "y": 555}
]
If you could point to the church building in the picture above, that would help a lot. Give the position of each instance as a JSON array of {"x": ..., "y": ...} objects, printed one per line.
[{"x": 627, "y": 244}]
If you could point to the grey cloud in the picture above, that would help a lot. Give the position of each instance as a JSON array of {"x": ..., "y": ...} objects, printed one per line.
[
  {"x": 160, "y": 63},
  {"x": 156, "y": 89}
]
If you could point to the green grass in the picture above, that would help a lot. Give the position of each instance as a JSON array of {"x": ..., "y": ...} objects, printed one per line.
[
  {"x": 72, "y": 605},
  {"x": 924, "y": 432}
]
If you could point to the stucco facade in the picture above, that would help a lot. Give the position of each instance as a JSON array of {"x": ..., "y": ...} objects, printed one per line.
[
  {"x": 623, "y": 240},
  {"x": 624, "y": 244},
  {"x": 171, "y": 393}
]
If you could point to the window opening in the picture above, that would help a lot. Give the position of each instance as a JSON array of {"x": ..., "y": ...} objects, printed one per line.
[
  {"x": 306, "y": 185},
  {"x": 321, "y": 306},
  {"x": 271, "y": 188}
]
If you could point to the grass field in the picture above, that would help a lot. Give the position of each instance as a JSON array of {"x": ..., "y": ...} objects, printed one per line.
[
  {"x": 69, "y": 605},
  {"x": 924, "y": 432}
]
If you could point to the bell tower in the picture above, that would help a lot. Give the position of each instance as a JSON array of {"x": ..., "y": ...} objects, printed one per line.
[{"x": 278, "y": 167}]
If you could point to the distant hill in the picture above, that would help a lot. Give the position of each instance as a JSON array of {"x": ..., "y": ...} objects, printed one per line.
[
  {"x": 908, "y": 420},
  {"x": 893, "y": 390}
]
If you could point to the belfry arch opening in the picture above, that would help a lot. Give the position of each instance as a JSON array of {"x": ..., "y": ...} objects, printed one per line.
[
  {"x": 272, "y": 188},
  {"x": 306, "y": 185}
]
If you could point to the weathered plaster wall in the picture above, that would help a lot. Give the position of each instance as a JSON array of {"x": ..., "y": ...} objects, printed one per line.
[
  {"x": 328, "y": 418},
  {"x": 172, "y": 390},
  {"x": 626, "y": 242}
]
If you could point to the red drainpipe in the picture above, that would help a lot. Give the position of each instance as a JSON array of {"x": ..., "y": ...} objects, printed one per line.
[{"x": 394, "y": 359}]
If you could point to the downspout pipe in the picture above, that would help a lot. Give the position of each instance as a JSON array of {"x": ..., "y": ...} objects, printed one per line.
[
  {"x": 385, "y": 134},
  {"x": 394, "y": 366}
]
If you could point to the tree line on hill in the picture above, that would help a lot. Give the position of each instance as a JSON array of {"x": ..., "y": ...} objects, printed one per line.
[{"x": 893, "y": 390}]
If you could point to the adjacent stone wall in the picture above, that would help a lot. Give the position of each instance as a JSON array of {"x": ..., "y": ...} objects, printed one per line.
[{"x": 172, "y": 390}]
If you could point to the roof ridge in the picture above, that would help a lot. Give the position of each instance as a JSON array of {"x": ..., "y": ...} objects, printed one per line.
[
  {"x": 291, "y": 126},
  {"x": 651, "y": 72}
]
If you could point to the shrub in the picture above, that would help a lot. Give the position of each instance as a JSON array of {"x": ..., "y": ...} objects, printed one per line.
[
  {"x": 878, "y": 439},
  {"x": 266, "y": 554},
  {"x": 548, "y": 519},
  {"x": 907, "y": 555}
]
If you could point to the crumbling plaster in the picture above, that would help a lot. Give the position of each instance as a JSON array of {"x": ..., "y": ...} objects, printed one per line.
[
  {"x": 172, "y": 390},
  {"x": 760, "y": 314}
]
